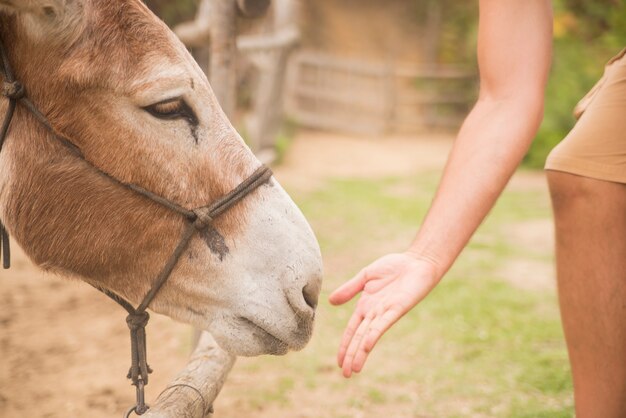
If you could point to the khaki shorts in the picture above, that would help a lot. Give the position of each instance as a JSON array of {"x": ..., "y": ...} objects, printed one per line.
[{"x": 596, "y": 146}]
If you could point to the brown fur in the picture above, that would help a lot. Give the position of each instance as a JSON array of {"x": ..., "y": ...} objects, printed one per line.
[{"x": 66, "y": 216}]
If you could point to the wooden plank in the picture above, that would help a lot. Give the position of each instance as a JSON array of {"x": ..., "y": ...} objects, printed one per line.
[
  {"x": 332, "y": 63},
  {"x": 374, "y": 102},
  {"x": 355, "y": 96},
  {"x": 434, "y": 72},
  {"x": 285, "y": 38},
  {"x": 415, "y": 98},
  {"x": 374, "y": 68},
  {"x": 192, "y": 393},
  {"x": 315, "y": 120}
]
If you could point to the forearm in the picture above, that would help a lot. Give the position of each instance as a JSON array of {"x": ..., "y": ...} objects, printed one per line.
[
  {"x": 514, "y": 49},
  {"x": 489, "y": 147}
]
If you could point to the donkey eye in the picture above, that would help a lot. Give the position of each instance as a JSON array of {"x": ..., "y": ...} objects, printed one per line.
[{"x": 172, "y": 109}]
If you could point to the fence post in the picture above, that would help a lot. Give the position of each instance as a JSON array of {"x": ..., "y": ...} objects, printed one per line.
[
  {"x": 223, "y": 68},
  {"x": 265, "y": 121}
]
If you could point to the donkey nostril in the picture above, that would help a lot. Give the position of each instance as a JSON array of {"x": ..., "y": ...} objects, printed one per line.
[{"x": 310, "y": 295}]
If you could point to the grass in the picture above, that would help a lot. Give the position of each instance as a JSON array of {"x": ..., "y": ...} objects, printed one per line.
[{"x": 479, "y": 346}]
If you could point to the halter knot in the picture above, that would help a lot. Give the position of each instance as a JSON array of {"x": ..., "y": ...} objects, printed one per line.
[
  {"x": 203, "y": 218},
  {"x": 137, "y": 320},
  {"x": 13, "y": 90}
]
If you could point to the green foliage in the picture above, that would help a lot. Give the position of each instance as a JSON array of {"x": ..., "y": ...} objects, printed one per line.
[
  {"x": 459, "y": 32},
  {"x": 458, "y": 28},
  {"x": 598, "y": 16},
  {"x": 173, "y": 12}
]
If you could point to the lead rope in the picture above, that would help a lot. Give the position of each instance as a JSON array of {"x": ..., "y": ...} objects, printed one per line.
[
  {"x": 198, "y": 219},
  {"x": 13, "y": 91}
]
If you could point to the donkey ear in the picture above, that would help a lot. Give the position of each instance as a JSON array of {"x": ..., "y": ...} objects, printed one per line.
[{"x": 46, "y": 15}]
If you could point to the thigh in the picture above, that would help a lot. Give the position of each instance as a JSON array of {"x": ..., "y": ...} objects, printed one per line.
[{"x": 590, "y": 219}]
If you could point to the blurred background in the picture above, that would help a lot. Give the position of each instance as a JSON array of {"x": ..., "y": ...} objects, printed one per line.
[
  {"x": 356, "y": 104},
  {"x": 409, "y": 65}
]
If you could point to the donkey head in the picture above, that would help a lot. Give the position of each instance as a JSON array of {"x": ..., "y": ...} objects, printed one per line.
[{"x": 115, "y": 81}]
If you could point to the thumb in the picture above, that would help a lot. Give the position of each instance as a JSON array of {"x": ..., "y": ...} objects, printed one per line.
[{"x": 349, "y": 289}]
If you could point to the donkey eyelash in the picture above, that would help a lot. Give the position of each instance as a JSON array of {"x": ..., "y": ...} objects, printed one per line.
[
  {"x": 169, "y": 107},
  {"x": 172, "y": 109}
]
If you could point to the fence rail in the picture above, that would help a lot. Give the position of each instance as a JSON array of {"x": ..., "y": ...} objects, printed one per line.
[{"x": 375, "y": 98}]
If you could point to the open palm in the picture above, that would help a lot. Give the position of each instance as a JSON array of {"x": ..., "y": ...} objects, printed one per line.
[{"x": 390, "y": 287}]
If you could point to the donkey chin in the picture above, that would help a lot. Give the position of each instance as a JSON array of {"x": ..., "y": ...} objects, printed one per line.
[
  {"x": 246, "y": 337},
  {"x": 252, "y": 328}
]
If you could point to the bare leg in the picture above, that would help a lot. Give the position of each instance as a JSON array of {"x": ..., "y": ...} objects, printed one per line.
[{"x": 590, "y": 217}]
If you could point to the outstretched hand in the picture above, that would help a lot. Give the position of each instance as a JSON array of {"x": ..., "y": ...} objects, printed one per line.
[{"x": 390, "y": 287}]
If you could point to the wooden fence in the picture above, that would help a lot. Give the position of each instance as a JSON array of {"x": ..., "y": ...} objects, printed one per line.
[{"x": 362, "y": 97}]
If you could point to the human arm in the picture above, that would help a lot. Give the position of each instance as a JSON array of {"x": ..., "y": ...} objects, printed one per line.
[{"x": 514, "y": 54}]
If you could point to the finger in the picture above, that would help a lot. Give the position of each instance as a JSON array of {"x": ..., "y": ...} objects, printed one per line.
[
  {"x": 351, "y": 328},
  {"x": 354, "y": 345},
  {"x": 377, "y": 328},
  {"x": 349, "y": 289}
]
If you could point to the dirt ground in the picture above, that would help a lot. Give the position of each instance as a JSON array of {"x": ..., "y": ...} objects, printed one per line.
[{"x": 65, "y": 347}]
